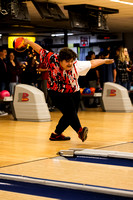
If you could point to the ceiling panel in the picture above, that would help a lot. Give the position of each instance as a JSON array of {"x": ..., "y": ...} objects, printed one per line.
[{"x": 121, "y": 22}]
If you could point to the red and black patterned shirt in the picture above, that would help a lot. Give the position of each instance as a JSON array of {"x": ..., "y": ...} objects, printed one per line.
[{"x": 60, "y": 80}]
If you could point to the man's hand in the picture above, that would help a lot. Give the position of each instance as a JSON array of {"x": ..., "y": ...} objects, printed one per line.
[
  {"x": 34, "y": 45},
  {"x": 25, "y": 41},
  {"x": 109, "y": 61}
]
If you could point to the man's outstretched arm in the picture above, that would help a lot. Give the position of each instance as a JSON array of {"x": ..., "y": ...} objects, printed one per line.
[{"x": 98, "y": 62}]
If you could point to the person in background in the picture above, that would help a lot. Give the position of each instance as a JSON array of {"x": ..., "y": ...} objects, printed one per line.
[
  {"x": 123, "y": 68},
  {"x": 30, "y": 66},
  {"x": 14, "y": 70},
  {"x": 106, "y": 73},
  {"x": 91, "y": 76},
  {"x": 91, "y": 79},
  {"x": 129, "y": 64},
  {"x": 3, "y": 70},
  {"x": 31, "y": 72},
  {"x": 116, "y": 55},
  {"x": 4, "y": 84},
  {"x": 63, "y": 87},
  {"x": 44, "y": 77},
  {"x": 31, "y": 54},
  {"x": 99, "y": 55}
]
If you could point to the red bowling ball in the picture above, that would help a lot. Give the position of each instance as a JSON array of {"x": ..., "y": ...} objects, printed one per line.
[
  {"x": 92, "y": 89},
  {"x": 4, "y": 93}
]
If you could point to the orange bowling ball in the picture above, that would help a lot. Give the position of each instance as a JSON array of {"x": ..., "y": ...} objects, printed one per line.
[
  {"x": 81, "y": 90},
  {"x": 18, "y": 44}
]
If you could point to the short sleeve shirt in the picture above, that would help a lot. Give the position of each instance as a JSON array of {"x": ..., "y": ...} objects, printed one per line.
[{"x": 60, "y": 80}]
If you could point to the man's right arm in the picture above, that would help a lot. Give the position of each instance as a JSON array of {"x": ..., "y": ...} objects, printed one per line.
[{"x": 35, "y": 46}]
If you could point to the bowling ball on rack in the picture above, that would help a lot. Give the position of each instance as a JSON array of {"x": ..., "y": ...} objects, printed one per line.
[
  {"x": 92, "y": 90},
  {"x": 4, "y": 93},
  {"x": 86, "y": 91},
  {"x": 81, "y": 90},
  {"x": 18, "y": 44}
]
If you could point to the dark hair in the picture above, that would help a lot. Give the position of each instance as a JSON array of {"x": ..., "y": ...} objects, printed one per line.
[
  {"x": 90, "y": 53},
  {"x": 2, "y": 48},
  {"x": 106, "y": 52},
  {"x": 67, "y": 54}
]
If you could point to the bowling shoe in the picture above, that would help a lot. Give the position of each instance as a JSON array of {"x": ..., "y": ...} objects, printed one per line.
[
  {"x": 61, "y": 137},
  {"x": 83, "y": 134}
]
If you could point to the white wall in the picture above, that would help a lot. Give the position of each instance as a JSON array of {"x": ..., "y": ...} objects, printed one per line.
[
  {"x": 76, "y": 39},
  {"x": 127, "y": 37}
]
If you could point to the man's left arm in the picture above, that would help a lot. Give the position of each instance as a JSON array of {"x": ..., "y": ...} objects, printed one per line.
[
  {"x": 84, "y": 66},
  {"x": 97, "y": 62}
]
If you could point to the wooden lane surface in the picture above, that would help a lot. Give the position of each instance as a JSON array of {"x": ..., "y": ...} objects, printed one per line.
[
  {"x": 76, "y": 172},
  {"x": 4, "y": 195},
  {"x": 26, "y": 141},
  {"x": 125, "y": 147}
]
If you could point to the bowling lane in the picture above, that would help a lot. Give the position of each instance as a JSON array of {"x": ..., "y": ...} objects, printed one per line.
[
  {"x": 5, "y": 195},
  {"x": 98, "y": 156},
  {"x": 124, "y": 147},
  {"x": 76, "y": 172}
]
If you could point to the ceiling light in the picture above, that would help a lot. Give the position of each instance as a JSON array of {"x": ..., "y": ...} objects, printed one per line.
[
  {"x": 124, "y": 2},
  {"x": 60, "y": 34}
]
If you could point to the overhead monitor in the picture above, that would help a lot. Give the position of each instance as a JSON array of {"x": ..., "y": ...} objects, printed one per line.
[
  {"x": 49, "y": 10},
  {"x": 14, "y": 10},
  {"x": 85, "y": 21},
  {"x": 90, "y": 17},
  {"x": 83, "y": 8}
]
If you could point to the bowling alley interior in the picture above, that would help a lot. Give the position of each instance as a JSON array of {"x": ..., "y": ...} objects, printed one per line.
[{"x": 98, "y": 164}]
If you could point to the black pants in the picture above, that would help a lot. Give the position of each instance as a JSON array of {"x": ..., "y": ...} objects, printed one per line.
[{"x": 68, "y": 104}]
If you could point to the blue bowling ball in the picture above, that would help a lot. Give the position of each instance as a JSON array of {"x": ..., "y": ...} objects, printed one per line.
[{"x": 87, "y": 91}]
